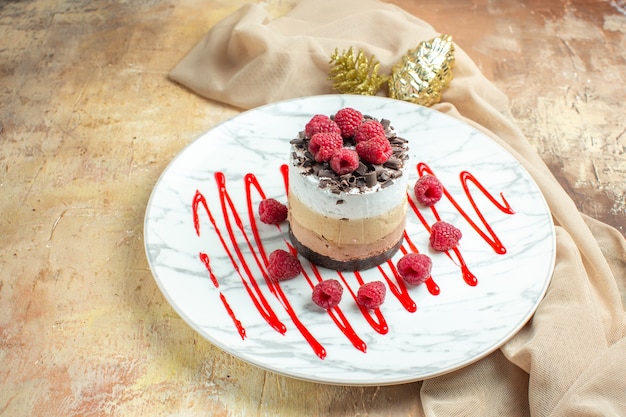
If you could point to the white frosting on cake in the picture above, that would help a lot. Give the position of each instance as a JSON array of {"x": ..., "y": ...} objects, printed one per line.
[{"x": 354, "y": 204}]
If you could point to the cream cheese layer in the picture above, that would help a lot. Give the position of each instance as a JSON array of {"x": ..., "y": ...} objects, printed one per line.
[{"x": 354, "y": 204}]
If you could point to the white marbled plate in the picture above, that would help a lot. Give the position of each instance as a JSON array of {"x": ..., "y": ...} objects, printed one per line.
[{"x": 212, "y": 272}]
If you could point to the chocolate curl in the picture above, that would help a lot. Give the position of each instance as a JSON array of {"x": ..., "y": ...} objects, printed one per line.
[{"x": 423, "y": 73}]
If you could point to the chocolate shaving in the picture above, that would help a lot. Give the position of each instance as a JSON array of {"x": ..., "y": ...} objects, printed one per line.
[
  {"x": 370, "y": 179},
  {"x": 397, "y": 140},
  {"x": 393, "y": 163},
  {"x": 362, "y": 169},
  {"x": 325, "y": 172}
]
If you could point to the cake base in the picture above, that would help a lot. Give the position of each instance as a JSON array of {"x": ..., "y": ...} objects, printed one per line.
[{"x": 348, "y": 265}]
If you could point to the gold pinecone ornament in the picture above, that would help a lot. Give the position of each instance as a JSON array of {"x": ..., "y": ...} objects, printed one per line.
[
  {"x": 355, "y": 75},
  {"x": 420, "y": 76}
]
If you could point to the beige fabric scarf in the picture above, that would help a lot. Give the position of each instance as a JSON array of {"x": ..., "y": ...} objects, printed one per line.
[{"x": 570, "y": 359}]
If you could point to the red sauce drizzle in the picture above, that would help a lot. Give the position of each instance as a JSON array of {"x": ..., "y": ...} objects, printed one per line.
[
  {"x": 284, "y": 170},
  {"x": 467, "y": 275},
  {"x": 251, "y": 181},
  {"x": 378, "y": 323},
  {"x": 398, "y": 288},
  {"x": 256, "y": 296},
  {"x": 375, "y": 318},
  {"x": 336, "y": 314},
  {"x": 204, "y": 258},
  {"x": 240, "y": 328},
  {"x": 432, "y": 286},
  {"x": 504, "y": 207}
]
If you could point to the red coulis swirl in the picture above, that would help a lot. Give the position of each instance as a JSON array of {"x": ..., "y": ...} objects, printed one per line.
[{"x": 235, "y": 239}]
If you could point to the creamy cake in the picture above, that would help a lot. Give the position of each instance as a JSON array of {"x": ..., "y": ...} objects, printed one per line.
[{"x": 353, "y": 221}]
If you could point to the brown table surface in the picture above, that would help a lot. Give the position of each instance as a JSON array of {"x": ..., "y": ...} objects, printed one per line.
[{"x": 88, "y": 122}]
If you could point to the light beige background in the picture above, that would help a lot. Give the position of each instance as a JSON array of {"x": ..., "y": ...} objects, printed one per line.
[{"x": 89, "y": 121}]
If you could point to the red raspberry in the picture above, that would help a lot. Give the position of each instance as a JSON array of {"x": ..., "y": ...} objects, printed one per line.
[
  {"x": 344, "y": 161},
  {"x": 323, "y": 145},
  {"x": 376, "y": 150},
  {"x": 369, "y": 129},
  {"x": 272, "y": 211},
  {"x": 283, "y": 265},
  {"x": 444, "y": 236},
  {"x": 415, "y": 268},
  {"x": 428, "y": 190},
  {"x": 371, "y": 295},
  {"x": 320, "y": 123},
  {"x": 348, "y": 120},
  {"x": 327, "y": 294}
]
